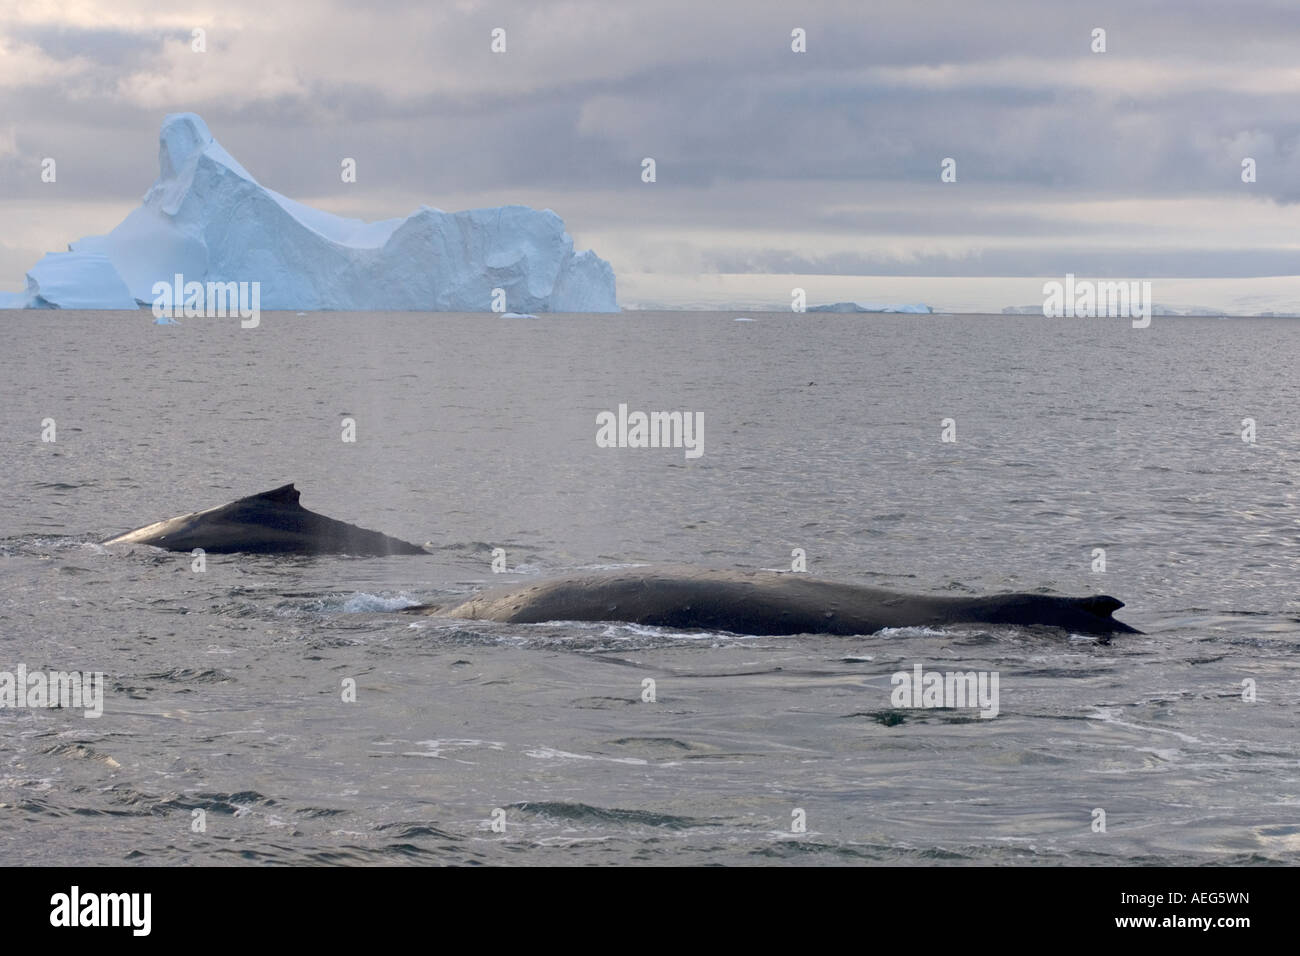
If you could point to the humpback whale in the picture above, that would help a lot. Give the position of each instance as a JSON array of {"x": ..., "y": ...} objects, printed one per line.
[
  {"x": 744, "y": 602},
  {"x": 768, "y": 603},
  {"x": 270, "y": 523}
]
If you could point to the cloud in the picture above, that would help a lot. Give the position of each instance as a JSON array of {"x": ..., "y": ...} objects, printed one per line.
[{"x": 767, "y": 159}]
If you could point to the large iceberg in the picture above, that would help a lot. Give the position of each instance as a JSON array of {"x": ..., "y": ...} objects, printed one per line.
[
  {"x": 916, "y": 308},
  {"x": 208, "y": 220}
]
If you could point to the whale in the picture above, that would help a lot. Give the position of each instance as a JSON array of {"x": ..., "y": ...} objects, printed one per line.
[
  {"x": 768, "y": 603},
  {"x": 682, "y": 597},
  {"x": 272, "y": 522}
]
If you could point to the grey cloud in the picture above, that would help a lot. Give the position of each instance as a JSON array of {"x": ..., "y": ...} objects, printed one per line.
[{"x": 746, "y": 133}]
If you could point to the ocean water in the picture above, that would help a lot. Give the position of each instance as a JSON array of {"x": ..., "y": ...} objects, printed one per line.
[{"x": 224, "y": 703}]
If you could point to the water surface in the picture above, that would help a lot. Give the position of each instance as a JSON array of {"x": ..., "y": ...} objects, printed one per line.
[{"x": 821, "y": 433}]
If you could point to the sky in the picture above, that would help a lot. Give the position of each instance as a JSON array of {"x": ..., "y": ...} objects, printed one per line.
[{"x": 773, "y": 167}]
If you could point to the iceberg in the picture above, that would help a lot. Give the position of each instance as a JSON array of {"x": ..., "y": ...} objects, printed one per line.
[
  {"x": 73, "y": 280},
  {"x": 1196, "y": 311},
  {"x": 916, "y": 308},
  {"x": 207, "y": 219}
]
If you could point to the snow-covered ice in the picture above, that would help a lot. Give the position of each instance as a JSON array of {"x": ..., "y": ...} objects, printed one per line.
[
  {"x": 1196, "y": 311},
  {"x": 208, "y": 219},
  {"x": 916, "y": 308}
]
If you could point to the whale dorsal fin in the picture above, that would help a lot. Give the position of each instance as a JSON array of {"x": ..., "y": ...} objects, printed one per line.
[
  {"x": 1103, "y": 605},
  {"x": 284, "y": 495}
]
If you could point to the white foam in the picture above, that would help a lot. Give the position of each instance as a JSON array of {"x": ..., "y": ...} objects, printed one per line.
[{"x": 364, "y": 603}]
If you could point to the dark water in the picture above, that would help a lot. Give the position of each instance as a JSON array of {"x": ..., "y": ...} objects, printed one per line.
[{"x": 821, "y": 432}]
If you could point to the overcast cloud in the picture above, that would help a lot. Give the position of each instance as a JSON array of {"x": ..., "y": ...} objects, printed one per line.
[{"x": 1126, "y": 163}]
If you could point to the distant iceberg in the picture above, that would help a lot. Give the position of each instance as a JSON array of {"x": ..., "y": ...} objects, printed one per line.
[
  {"x": 208, "y": 219},
  {"x": 915, "y": 308},
  {"x": 1156, "y": 309}
]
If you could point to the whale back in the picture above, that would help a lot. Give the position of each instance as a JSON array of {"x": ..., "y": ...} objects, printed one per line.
[
  {"x": 273, "y": 522},
  {"x": 769, "y": 603}
]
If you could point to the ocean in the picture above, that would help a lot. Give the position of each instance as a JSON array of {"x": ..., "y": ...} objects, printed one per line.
[{"x": 229, "y": 734}]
